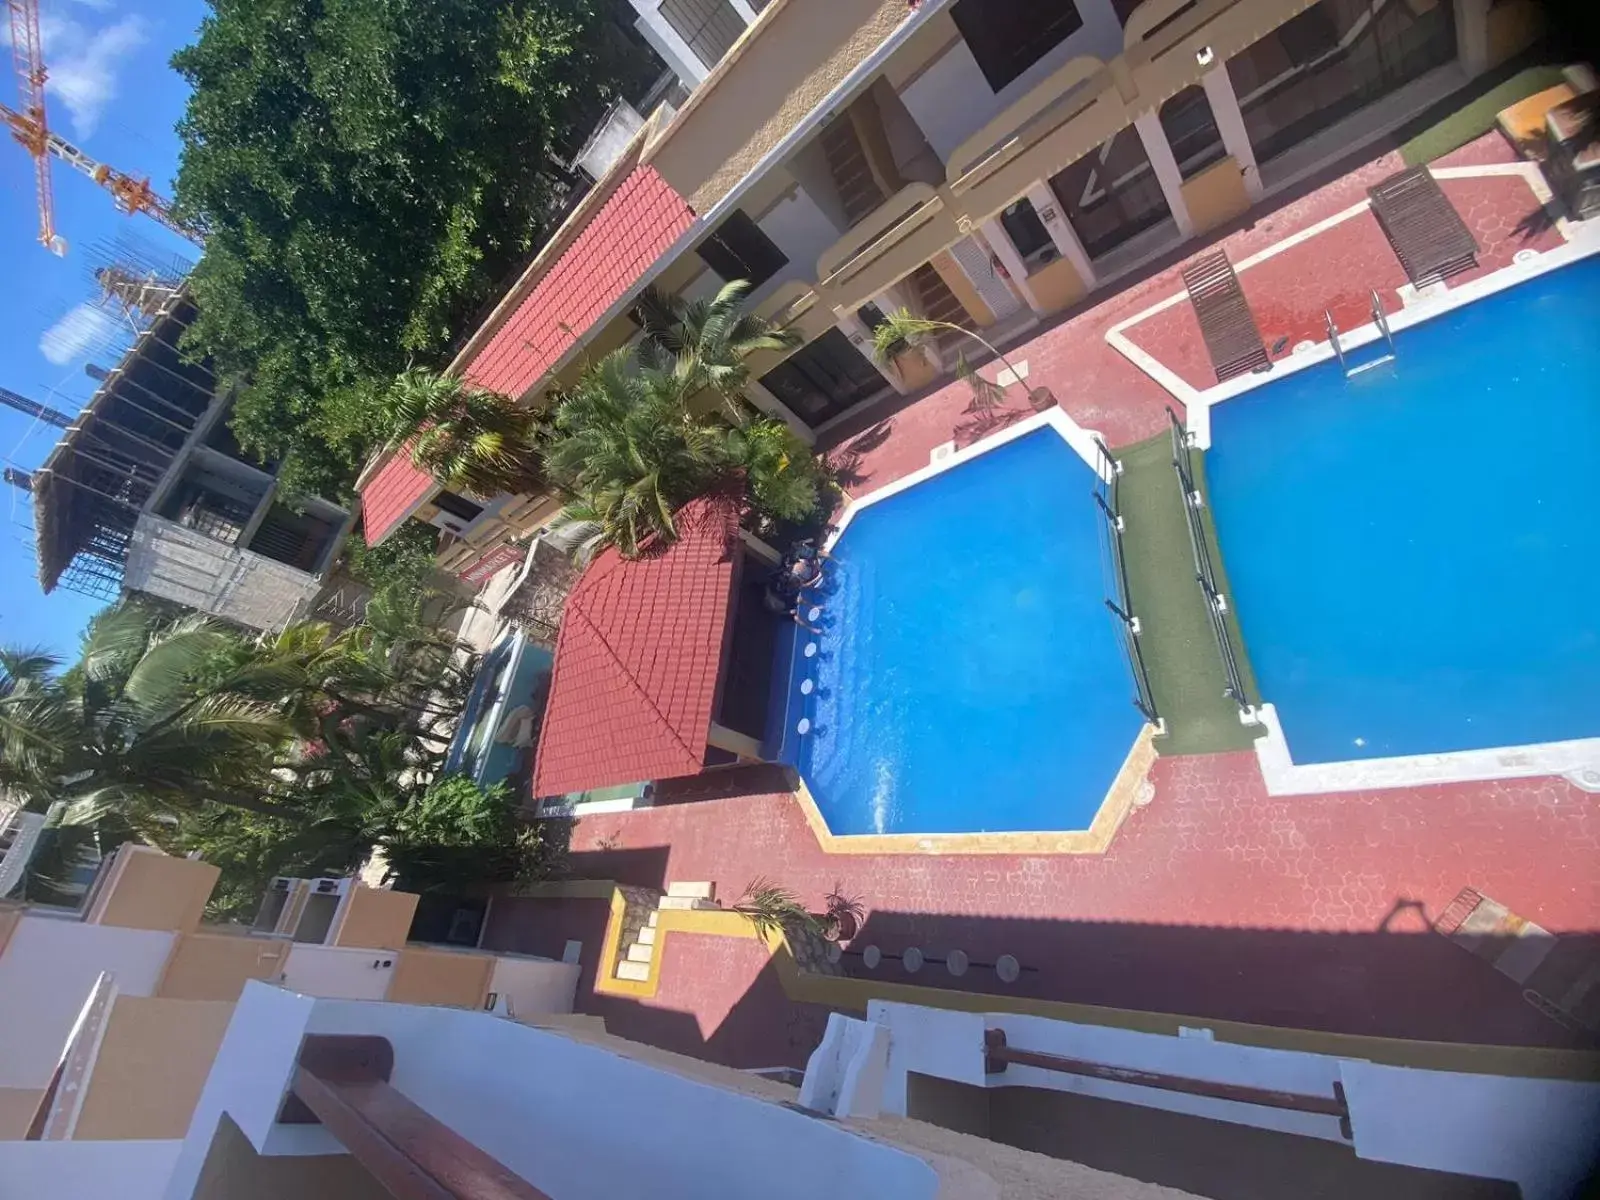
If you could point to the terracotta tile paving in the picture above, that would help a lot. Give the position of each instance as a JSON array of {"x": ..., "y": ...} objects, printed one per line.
[
  {"x": 1104, "y": 391},
  {"x": 1216, "y": 900}
]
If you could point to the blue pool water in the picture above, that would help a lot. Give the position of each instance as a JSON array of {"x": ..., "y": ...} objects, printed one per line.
[
  {"x": 513, "y": 677},
  {"x": 968, "y": 677},
  {"x": 1414, "y": 553}
]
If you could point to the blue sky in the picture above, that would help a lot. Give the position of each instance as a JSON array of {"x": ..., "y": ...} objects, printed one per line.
[{"x": 112, "y": 92}]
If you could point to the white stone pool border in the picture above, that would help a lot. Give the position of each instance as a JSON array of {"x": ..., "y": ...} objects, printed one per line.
[
  {"x": 1083, "y": 442},
  {"x": 1577, "y": 760}
]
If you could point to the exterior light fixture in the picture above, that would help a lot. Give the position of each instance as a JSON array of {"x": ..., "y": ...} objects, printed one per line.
[{"x": 1205, "y": 56}]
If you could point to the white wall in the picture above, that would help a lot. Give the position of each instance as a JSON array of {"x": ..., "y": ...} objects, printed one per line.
[
  {"x": 1540, "y": 1133},
  {"x": 46, "y": 973},
  {"x": 535, "y": 985},
  {"x": 802, "y": 230},
  {"x": 114, "y": 1170},
  {"x": 574, "y": 1120},
  {"x": 951, "y": 100},
  {"x": 339, "y": 972}
]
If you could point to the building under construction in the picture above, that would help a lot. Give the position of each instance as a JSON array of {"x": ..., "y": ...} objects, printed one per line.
[{"x": 148, "y": 492}]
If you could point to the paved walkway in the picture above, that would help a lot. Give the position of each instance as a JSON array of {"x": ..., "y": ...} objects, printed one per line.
[{"x": 1216, "y": 899}]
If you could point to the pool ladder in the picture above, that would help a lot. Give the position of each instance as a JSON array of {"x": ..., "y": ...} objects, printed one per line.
[{"x": 1381, "y": 321}]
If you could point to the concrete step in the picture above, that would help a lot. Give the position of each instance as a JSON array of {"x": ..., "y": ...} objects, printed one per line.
[
  {"x": 701, "y": 891},
  {"x": 687, "y": 902},
  {"x": 640, "y": 952},
  {"x": 650, "y": 921},
  {"x": 636, "y": 971},
  {"x": 647, "y": 936}
]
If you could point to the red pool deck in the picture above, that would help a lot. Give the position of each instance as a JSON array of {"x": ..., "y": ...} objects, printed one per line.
[{"x": 1215, "y": 900}]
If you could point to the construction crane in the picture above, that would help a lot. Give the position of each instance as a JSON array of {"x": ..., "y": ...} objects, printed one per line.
[{"x": 30, "y": 128}]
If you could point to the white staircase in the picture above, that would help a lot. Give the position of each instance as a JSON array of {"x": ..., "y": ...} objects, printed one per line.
[{"x": 636, "y": 959}]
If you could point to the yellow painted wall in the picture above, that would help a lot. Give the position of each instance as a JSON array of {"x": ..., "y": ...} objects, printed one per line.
[
  {"x": 153, "y": 1061},
  {"x": 440, "y": 977},
  {"x": 17, "y": 1106},
  {"x": 1216, "y": 195},
  {"x": 1056, "y": 285},
  {"x": 762, "y": 89},
  {"x": 216, "y": 966},
  {"x": 9, "y": 916},
  {"x": 1513, "y": 26},
  {"x": 376, "y": 918},
  {"x": 151, "y": 890}
]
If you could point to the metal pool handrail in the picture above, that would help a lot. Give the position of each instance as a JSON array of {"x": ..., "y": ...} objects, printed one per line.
[
  {"x": 1106, "y": 498},
  {"x": 1205, "y": 571}
]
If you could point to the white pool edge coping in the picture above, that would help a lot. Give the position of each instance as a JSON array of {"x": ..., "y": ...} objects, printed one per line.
[
  {"x": 1577, "y": 760},
  {"x": 1083, "y": 442}
]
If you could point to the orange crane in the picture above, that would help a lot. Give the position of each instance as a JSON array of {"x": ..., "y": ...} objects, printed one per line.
[{"x": 30, "y": 128}]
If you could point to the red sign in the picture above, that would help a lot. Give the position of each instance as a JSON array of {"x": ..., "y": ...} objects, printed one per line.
[{"x": 492, "y": 563}]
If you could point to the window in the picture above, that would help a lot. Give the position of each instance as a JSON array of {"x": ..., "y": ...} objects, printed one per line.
[
  {"x": 457, "y": 506},
  {"x": 739, "y": 250},
  {"x": 1027, "y": 231},
  {"x": 1111, "y": 194},
  {"x": 823, "y": 379},
  {"x": 1192, "y": 130},
  {"x": 710, "y": 27},
  {"x": 1009, "y": 36}
]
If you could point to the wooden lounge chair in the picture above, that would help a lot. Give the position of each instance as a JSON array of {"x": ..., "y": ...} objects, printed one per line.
[
  {"x": 1226, "y": 322},
  {"x": 1426, "y": 232}
]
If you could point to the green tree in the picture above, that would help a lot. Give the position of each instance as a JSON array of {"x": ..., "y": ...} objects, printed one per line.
[
  {"x": 705, "y": 343},
  {"x": 369, "y": 171},
  {"x": 625, "y": 445},
  {"x": 470, "y": 439}
]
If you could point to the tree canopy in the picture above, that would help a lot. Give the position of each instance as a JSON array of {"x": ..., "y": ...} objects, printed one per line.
[{"x": 369, "y": 171}]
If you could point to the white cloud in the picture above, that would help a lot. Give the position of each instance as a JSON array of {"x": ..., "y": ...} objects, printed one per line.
[
  {"x": 83, "y": 62},
  {"x": 83, "y": 329}
]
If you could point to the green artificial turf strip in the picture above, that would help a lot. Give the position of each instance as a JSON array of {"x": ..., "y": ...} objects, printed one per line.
[
  {"x": 1180, "y": 652},
  {"x": 1477, "y": 116}
]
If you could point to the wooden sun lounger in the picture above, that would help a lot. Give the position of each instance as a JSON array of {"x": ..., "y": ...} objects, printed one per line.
[
  {"x": 1426, "y": 232},
  {"x": 1226, "y": 322}
]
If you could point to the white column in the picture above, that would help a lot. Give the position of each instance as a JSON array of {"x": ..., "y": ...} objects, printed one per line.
[
  {"x": 1224, "y": 103},
  {"x": 994, "y": 232},
  {"x": 746, "y": 13},
  {"x": 1472, "y": 35},
  {"x": 664, "y": 39},
  {"x": 860, "y": 337},
  {"x": 766, "y": 402},
  {"x": 1162, "y": 162},
  {"x": 1061, "y": 232}
]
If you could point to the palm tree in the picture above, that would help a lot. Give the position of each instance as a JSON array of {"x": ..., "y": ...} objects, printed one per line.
[
  {"x": 705, "y": 343},
  {"x": 137, "y": 727},
  {"x": 773, "y": 908},
  {"x": 470, "y": 439},
  {"x": 626, "y": 447},
  {"x": 903, "y": 326}
]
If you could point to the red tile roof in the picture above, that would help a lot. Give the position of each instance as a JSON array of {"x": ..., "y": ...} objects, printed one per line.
[
  {"x": 392, "y": 494},
  {"x": 633, "y": 229},
  {"x": 638, "y": 660}
]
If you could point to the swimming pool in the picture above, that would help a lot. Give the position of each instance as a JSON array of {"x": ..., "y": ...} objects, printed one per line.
[
  {"x": 967, "y": 677},
  {"x": 1414, "y": 552},
  {"x": 508, "y": 691}
]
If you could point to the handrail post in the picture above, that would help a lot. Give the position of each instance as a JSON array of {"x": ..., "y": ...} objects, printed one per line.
[{"x": 1333, "y": 340}]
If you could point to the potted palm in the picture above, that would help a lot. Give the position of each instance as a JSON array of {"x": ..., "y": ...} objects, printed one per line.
[
  {"x": 772, "y": 908},
  {"x": 843, "y": 915},
  {"x": 902, "y": 327}
]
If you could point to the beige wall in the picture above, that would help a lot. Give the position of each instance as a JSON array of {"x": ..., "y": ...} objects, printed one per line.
[
  {"x": 1056, "y": 285},
  {"x": 1513, "y": 27},
  {"x": 153, "y": 1060},
  {"x": 1216, "y": 195},
  {"x": 234, "y": 1171},
  {"x": 441, "y": 977},
  {"x": 375, "y": 918},
  {"x": 9, "y": 916},
  {"x": 961, "y": 288},
  {"x": 151, "y": 890},
  {"x": 17, "y": 1106},
  {"x": 798, "y": 52},
  {"x": 216, "y": 966}
]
